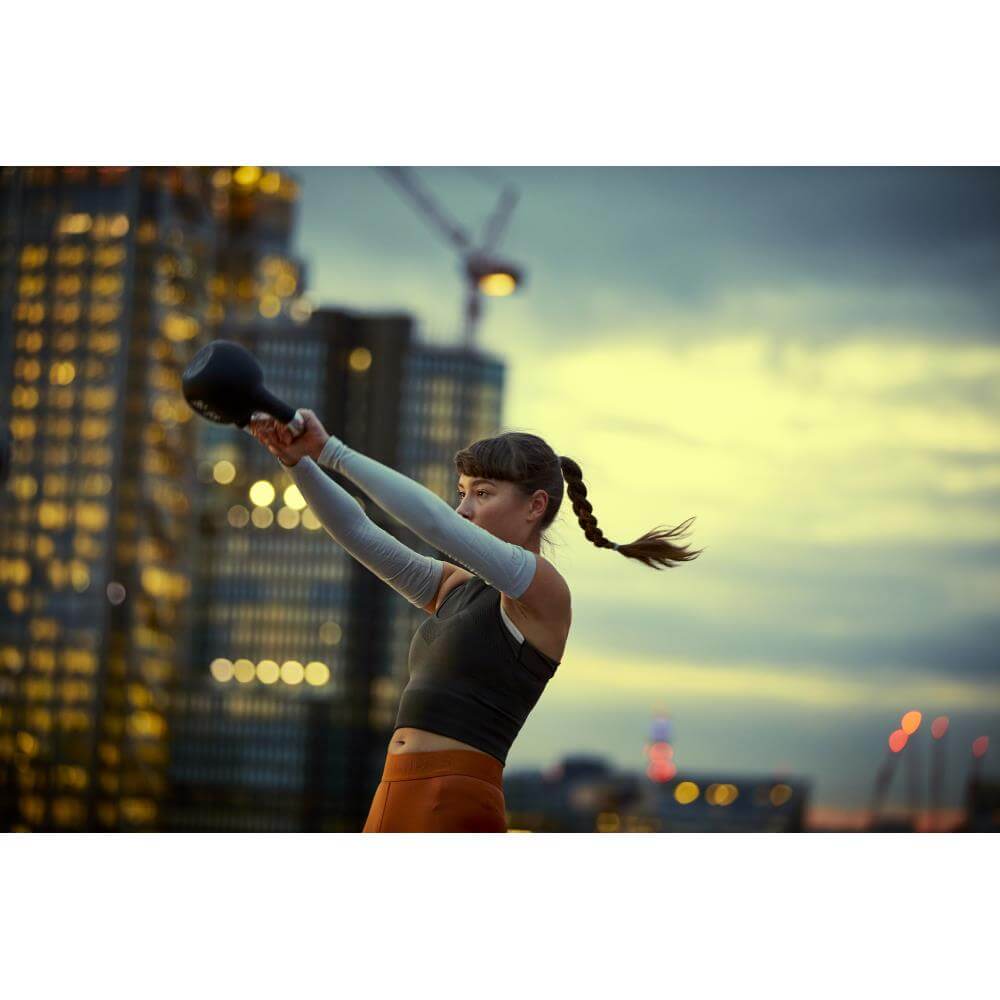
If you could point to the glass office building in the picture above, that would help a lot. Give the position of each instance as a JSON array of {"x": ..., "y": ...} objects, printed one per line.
[{"x": 105, "y": 295}]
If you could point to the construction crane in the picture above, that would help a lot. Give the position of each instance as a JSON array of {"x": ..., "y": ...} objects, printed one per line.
[{"x": 484, "y": 272}]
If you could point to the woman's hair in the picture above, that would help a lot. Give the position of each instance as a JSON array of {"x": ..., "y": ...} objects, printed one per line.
[{"x": 528, "y": 462}]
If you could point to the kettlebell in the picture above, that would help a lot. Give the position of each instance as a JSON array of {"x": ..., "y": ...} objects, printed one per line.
[{"x": 225, "y": 383}]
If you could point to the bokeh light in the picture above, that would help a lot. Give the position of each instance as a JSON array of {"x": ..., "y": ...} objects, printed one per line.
[
  {"x": 267, "y": 671},
  {"x": 317, "y": 674},
  {"x": 498, "y": 284},
  {"x": 686, "y": 792},
  {"x": 939, "y": 726},
  {"x": 224, "y": 472},
  {"x": 222, "y": 669},
  {"x": 780, "y": 794},
  {"x": 262, "y": 493},
  {"x": 292, "y": 672},
  {"x": 980, "y": 745},
  {"x": 238, "y": 516},
  {"x": 293, "y": 497},
  {"x": 289, "y": 518},
  {"x": 910, "y": 722},
  {"x": 897, "y": 740},
  {"x": 262, "y": 517},
  {"x": 330, "y": 633},
  {"x": 243, "y": 670}
]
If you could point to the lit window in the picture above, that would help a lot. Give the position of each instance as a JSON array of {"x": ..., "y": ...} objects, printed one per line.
[
  {"x": 247, "y": 176},
  {"x": 74, "y": 224}
]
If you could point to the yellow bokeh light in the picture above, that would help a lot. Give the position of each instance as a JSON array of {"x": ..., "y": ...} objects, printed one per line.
[
  {"x": 262, "y": 517},
  {"x": 910, "y": 722},
  {"x": 288, "y": 518},
  {"x": 310, "y": 521},
  {"x": 24, "y": 487},
  {"x": 497, "y": 284},
  {"x": 238, "y": 516},
  {"x": 62, "y": 373},
  {"x": 222, "y": 669},
  {"x": 317, "y": 674},
  {"x": 247, "y": 176},
  {"x": 293, "y": 497},
  {"x": 685, "y": 792},
  {"x": 292, "y": 672},
  {"x": 330, "y": 633},
  {"x": 267, "y": 671},
  {"x": 243, "y": 671},
  {"x": 608, "y": 822},
  {"x": 360, "y": 359},
  {"x": 270, "y": 183},
  {"x": 780, "y": 794},
  {"x": 224, "y": 472},
  {"x": 262, "y": 493},
  {"x": 270, "y": 306}
]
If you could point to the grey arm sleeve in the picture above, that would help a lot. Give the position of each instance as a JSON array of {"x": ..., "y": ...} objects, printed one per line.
[
  {"x": 413, "y": 575},
  {"x": 503, "y": 565}
]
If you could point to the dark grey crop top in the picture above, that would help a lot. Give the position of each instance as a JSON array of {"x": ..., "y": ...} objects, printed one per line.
[{"x": 470, "y": 679}]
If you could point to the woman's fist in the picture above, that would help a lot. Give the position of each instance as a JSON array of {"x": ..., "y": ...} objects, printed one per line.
[{"x": 304, "y": 435}]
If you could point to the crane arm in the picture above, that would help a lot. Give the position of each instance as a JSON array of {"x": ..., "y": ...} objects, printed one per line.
[
  {"x": 404, "y": 179},
  {"x": 498, "y": 220}
]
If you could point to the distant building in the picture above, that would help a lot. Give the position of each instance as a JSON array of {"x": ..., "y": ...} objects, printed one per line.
[
  {"x": 584, "y": 795},
  {"x": 102, "y": 273},
  {"x": 982, "y": 804}
]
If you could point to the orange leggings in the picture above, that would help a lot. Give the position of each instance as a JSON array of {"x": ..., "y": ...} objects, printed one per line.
[{"x": 439, "y": 791}]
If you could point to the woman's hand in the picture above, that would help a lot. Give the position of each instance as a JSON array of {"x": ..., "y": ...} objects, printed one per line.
[{"x": 282, "y": 441}]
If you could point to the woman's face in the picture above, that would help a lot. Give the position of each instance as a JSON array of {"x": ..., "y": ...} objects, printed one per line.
[{"x": 499, "y": 507}]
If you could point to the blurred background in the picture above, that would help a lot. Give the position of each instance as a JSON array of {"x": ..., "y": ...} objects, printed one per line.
[{"x": 804, "y": 360}]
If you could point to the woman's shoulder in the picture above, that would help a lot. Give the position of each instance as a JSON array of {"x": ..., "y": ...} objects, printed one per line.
[{"x": 548, "y": 595}]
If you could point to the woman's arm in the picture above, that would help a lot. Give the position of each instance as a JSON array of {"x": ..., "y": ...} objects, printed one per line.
[
  {"x": 503, "y": 565},
  {"x": 411, "y": 574}
]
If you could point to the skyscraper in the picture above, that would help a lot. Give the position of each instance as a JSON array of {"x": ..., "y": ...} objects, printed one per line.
[{"x": 105, "y": 297}]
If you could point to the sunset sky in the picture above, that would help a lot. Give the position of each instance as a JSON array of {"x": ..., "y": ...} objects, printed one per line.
[{"x": 806, "y": 360}]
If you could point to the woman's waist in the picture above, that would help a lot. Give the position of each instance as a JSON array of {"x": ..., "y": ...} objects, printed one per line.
[
  {"x": 420, "y": 753},
  {"x": 410, "y": 739}
]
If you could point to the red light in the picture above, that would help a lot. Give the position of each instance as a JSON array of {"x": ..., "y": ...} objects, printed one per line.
[
  {"x": 979, "y": 746},
  {"x": 898, "y": 740},
  {"x": 661, "y": 750},
  {"x": 660, "y": 770},
  {"x": 939, "y": 726}
]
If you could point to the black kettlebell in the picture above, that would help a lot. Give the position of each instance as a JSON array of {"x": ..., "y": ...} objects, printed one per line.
[{"x": 225, "y": 383}]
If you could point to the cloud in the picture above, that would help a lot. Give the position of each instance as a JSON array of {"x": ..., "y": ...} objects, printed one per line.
[
  {"x": 607, "y": 676},
  {"x": 808, "y": 252}
]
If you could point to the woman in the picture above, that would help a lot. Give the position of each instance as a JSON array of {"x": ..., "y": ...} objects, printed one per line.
[{"x": 497, "y": 624}]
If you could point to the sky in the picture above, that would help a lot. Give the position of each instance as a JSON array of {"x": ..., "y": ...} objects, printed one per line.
[{"x": 806, "y": 361}]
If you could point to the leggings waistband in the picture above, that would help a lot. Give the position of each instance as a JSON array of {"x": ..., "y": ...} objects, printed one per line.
[{"x": 434, "y": 763}]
